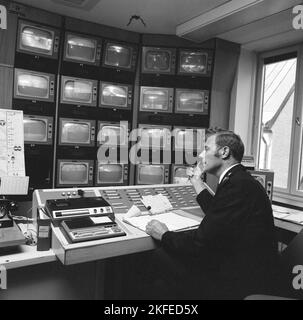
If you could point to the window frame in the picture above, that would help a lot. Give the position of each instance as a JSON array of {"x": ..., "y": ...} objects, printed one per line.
[{"x": 289, "y": 195}]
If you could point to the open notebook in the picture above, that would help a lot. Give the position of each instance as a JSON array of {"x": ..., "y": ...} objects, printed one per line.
[
  {"x": 173, "y": 220},
  {"x": 159, "y": 208}
]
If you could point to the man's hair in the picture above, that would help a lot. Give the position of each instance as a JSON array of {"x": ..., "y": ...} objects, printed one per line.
[{"x": 225, "y": 138}]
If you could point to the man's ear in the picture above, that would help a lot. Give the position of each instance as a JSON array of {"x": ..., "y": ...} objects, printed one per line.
[{"x": 225, "y": 153}]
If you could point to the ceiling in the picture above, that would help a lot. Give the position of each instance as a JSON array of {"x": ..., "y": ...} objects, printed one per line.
[
  {"x": 160, "y": 16},
  {"x": 262, "y": 26}
]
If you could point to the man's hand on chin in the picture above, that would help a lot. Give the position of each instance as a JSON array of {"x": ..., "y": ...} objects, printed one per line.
[{"x": 156, "y": 229}]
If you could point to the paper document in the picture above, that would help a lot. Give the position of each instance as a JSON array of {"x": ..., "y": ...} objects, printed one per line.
[
  {"x": 174, "y": 220},
  {"x": 11, "y": 143},
  {"x": 157, "y": 204}
]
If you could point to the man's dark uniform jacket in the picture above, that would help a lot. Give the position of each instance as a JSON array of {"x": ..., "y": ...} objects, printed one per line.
[{"x": 235, "y": 242}]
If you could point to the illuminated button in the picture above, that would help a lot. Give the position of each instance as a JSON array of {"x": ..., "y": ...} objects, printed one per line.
[
  {"x": 63, "y": 194},
  {"x": 68, "y": 194},
  {"x": 74, "y": 193}
]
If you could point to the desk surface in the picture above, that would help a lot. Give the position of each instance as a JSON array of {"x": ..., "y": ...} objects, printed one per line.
[{"x": 22, "y": 256}]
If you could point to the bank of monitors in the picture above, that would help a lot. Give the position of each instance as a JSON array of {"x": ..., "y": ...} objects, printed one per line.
[
  {"x": 186, "y": 138},
  {"x": 38, "y": 130},
  {"x": 154, "y": 137},
  {"x": 113, "y": 134},
  {"x": 111, "y": 174},
  {"x": 77, "y": 132},
  {"x": 79, "y": 91},
  {"x": 38, "y": 40},
  {"x": 120, "y": 56},
  {"x": 35, "y": 86},
  {"x": 82, "y": 49},
  {"x": 195, "y": 62},
  {"x": 116, "y": 96},
  {"x": 158, "y": 60},
  {"x": 75, "y": 173},
  {"x": 178, "y": 174},
  {"x": 191, "y": 101},
  {"x": 149, "y": 174},
  {"x": 156, "y": 99}
]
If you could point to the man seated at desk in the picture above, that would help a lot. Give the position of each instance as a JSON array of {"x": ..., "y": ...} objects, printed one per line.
[{"x": 233, "y": 253}]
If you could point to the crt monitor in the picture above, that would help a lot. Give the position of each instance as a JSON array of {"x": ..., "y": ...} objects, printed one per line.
[
  {"x": 192, "y": 101},
  {"x": 158, "y": 60},
  {"x": 79, "y": 91},
  {"x": 113, "y": 133},
  {"x": 72, "y": 173},
  {"x": 82, "y": 49},
  {"x": 115, "y": 96},
  {"x": 38, "y": 129},
  {"x": 156, "y": 99},
  {"x": 35, "y": 86},
  {"x": 77, "y": 132},
  {"x": 266, "y": 179},
  {"x": 120, "y": 56},
  {"x": 152, "y": 174},
  {"x": 111, "y": 174},
  {"x": 38, "y": 40},
  {"x": 153, "y": 136},
  {"x": 195, "y": 62},
  {"x": 179, "y": 175},
  {"x": 187, "y": 138}
]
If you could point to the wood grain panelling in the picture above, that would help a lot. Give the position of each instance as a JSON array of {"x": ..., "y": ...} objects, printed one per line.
[
  {"x": 8, "y": 41},
  {"x": 6, "y": 86}
]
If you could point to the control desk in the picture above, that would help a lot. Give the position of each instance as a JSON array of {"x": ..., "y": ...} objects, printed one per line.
[{"x": 181, "y": 196}]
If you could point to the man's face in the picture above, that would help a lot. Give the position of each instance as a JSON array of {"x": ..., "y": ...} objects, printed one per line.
[{"x": 211, "y": 159}]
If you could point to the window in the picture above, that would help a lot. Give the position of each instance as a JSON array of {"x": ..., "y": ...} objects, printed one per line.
[{"x": 278, "y": 116}]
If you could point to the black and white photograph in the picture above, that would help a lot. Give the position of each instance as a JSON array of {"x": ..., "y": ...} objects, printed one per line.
[{"x": 151, "y": 152}]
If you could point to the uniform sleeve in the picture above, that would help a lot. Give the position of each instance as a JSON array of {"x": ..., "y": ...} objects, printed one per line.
[{"x": 217, "y": 230}]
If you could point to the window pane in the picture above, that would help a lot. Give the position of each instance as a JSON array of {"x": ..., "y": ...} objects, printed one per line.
[{"x": 277, "y": 114}]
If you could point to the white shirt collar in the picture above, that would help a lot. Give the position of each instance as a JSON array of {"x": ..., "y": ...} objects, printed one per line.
[{"x": 225, "y": 171}]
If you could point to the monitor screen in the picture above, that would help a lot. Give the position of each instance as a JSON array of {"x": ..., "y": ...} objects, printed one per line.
[
  {"x": 73, "y": 173},
  {"x": 75, "y": 132},
  {"x": 112, "y": 134},
  {"x": 154, "y": 137},
  {"x": 179, "y": 175},
  {"x": 38, "y": 40},
  {"x": 35, "y": 130},
  {"x": 79, "y": 91},
  {"x": 110, "y": 173},
  {"x": 189, "y": 138},
  {"x": 82, "y": 49},
  {"x": 117, "y": 55},
  {"x": 191, "y": 101},
  {"x": 34, "y": 85},
  {"x": 151, "y": 174},
  {"x": 193, "y": 62},
  {"x": 156, "y": 99},
  {"x": 158, "y": 60},
  {"x": 114, "y": 95}
]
